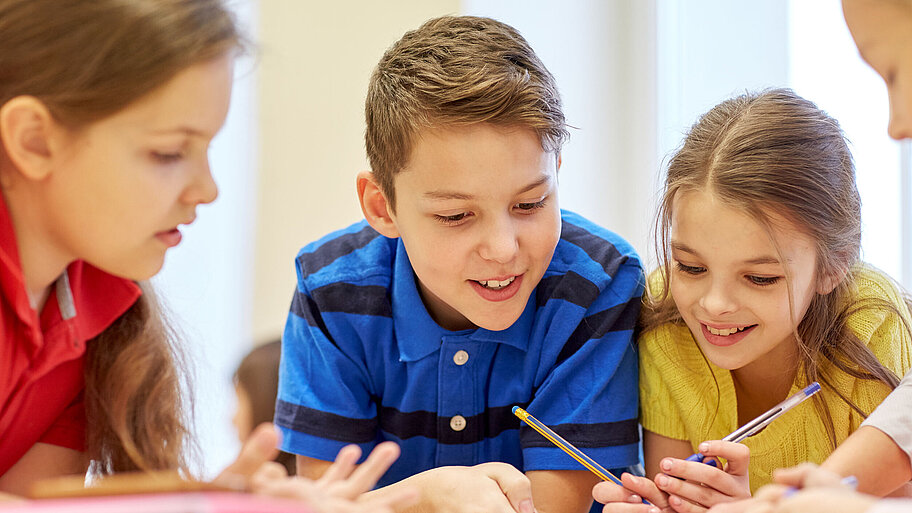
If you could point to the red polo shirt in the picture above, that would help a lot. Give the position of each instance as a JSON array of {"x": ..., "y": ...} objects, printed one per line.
[{"x": 41, "y": 354}]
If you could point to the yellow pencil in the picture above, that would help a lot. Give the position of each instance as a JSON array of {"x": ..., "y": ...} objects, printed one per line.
[{"x": 567, "y": 447}]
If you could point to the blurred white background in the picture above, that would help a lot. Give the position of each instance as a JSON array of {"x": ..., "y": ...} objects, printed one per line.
[{"x": 634, "y": 74}]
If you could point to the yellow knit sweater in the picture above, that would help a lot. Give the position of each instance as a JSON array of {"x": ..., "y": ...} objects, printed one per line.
[{"x": 685, "y": 397}]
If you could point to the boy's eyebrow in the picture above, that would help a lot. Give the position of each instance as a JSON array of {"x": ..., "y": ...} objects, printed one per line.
[
  {"x": 763, "y": 260},
  {"x": 448, "y": 195}
]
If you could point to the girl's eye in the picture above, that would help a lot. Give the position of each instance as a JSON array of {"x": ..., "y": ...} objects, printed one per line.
[
  {"x": 689, "y": 269},
  {"x": 451, "y": 220},
  {"x": 763, "y": 280},
  {"x": 531, "y": 206},
  {"x": 167, "y": 158}
]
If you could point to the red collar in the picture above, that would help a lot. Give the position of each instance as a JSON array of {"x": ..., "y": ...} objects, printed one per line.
[{"x": 87, "y": 297}]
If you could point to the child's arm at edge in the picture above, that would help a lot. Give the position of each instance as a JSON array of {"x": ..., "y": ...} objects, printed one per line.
[{"x": 562, "y": 491}]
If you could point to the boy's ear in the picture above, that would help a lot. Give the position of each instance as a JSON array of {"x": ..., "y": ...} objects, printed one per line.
[
  {"x": 376, "y": 208},
  {"x": 26, "y": 125}
]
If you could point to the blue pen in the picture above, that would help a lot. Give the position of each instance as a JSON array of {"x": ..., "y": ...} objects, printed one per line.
[{"x": 753, "y": 427}]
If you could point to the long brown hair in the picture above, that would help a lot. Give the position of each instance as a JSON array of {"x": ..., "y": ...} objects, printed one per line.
[
  {"x": 86, "y": 60},
  {"x": 774, "y": 151}
]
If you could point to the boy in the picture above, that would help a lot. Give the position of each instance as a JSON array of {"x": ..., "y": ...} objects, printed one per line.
[{"x": 465, "y": 291}]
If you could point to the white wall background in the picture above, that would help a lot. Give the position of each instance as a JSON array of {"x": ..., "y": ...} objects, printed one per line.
[{"x": 634, "y": 75}]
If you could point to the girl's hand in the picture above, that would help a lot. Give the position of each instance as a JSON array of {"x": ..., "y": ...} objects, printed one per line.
[
  {"x": 700, "y": 486},
  {"x": 343, "y": 487},
  {"x": 629, "y": 499}
]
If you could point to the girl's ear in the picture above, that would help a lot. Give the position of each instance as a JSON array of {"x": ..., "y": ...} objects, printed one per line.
[
  {"x": 827, "y": 282},
  {"x": 375, "y": 206},
  {"x": 26, "y": 125}
]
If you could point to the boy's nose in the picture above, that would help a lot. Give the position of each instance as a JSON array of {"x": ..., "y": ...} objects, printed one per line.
[{"x": 500, "y": 243}]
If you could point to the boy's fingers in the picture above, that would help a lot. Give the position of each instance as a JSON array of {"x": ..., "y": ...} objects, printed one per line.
[
  {"x": 738, "y": 455},
  {"x": 260, "y": 447},
  {"x": 514, "y": 484}
]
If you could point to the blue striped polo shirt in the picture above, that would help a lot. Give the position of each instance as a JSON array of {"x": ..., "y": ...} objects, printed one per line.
[{"x": 364, "y": 362}]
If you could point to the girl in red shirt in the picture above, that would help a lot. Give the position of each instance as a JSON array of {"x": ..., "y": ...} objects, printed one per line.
[{"x": 107, "y": 109}]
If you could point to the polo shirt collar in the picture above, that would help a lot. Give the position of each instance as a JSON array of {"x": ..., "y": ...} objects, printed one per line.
[
  {"x": 86, "y": 296},
  {"x": 418, "y": 335}
]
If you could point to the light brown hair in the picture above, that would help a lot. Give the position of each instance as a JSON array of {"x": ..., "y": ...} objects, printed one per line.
[
  {"x": 456, "y": 70},
  {"x": 86, "y": 60},
  {"x": 775, "y": 152}
]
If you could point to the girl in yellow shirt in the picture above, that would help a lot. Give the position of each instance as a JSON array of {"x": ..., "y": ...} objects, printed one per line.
[{"x": 762, "y": 293}]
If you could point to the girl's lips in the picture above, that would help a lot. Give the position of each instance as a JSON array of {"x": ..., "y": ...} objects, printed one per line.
[
  {"x": 725, "y": 340},
  {"x": 170, "y": 238},
  {"x": 497, "y": 295}
]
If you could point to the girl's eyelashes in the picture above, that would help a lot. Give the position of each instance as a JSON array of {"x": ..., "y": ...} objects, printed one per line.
[
  {"x": 167, "y": 157},
  {"x": 764, "y": 281},
  {"x": 689, "y": 269}
]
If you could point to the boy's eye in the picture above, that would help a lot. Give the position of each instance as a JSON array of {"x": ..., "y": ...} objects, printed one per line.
[
  {"x": 531, "y": 206},
  {"x": 689, "y": 269},
  {"x": 452, "y": 219},
  {"x": 763, "y": 280}
]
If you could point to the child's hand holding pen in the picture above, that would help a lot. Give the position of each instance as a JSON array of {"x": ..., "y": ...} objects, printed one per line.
[{"x": 682, "y": 486}]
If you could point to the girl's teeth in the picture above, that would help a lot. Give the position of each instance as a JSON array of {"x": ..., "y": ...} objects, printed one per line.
[
  {"x": 496, "y": 284},
  {"x": 724, "y": 332}
]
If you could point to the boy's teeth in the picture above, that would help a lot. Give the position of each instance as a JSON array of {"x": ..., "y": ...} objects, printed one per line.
[
  {"x": 496, "y": 284},
  {"x": 724, "y": 332}
]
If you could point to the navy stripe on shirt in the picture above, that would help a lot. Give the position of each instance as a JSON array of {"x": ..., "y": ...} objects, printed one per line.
[
  {"x": 325, "y": 424},
  {"x": 335, "y": 249},
  {"x": 603, "y": 434},
  {"x": 304, "y": 307},
  {"x": 354, "y": 299},
  {"x": 570, "y": 287},
  {"x": 598, "y": 249},
  {"x": 620, "y": 317}
]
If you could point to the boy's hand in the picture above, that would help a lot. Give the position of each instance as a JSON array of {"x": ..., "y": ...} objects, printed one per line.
[
  {"x": 700, "y": 486},
  {"x": 484, "y": 488},
  {"x": 629, "y": 499}
]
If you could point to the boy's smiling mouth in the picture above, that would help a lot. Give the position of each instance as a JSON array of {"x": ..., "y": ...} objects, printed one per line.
[
  {"x": 497, "y": 290},
  {"x": 496, "y": 284}
]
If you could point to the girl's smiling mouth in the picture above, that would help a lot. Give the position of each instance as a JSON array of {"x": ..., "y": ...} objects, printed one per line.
[{"x": 726, "y": 336}]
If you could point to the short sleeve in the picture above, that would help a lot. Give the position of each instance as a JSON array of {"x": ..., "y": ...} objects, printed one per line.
[
  {"x": 659, "y": 411},
  {"x": 589, "y": 395},
  {"x": 324, "y": 399},
  {"x": 69, "y": 430}
]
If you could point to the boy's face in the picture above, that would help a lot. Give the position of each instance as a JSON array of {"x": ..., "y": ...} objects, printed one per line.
[
  {"x": 477, "y": 211},
  {"x": 883, "y": 32}
]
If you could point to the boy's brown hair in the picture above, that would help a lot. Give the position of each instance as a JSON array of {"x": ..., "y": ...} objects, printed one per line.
[{"x": 456, "y": 70}]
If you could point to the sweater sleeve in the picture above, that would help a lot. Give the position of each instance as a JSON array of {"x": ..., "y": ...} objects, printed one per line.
[{"x": 660, "y": 412}]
